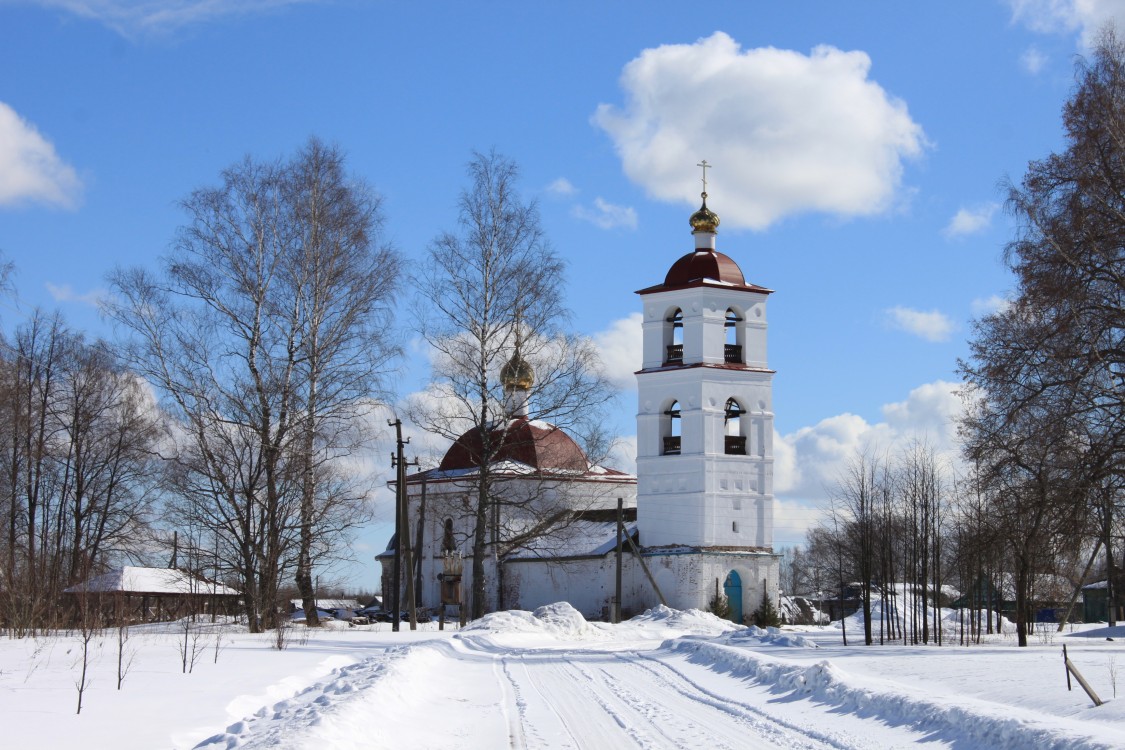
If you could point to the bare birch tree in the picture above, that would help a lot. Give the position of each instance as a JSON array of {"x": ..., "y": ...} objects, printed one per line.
[
  {"x": 495, "y": 280},
  {"x": 265, "y": 335}
]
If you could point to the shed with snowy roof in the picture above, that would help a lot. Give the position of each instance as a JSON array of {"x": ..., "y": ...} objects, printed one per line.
[{"x": 138, "y": 594}]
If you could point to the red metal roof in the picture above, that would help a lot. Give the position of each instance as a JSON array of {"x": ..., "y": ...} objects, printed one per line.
[
  {"x": 704, "y": 264},
  {"x": 539, "y": 445},
  {"x": 704, "y": 268}
]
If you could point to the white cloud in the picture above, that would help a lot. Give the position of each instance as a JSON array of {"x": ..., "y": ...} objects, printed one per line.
[
  {"x": 987, "y": 305},
  {"x": 1033, "y": 61},
  {"x": 621, "y": 349},
  {"x": 971, "y": 220},
  {"x": 933, "y": 325},
  {"x": 607, "y": 216},
  {"x": 623, "y": 455},
  {"x": 792, "y": 520},
  {"x": 66, "y": 293},
  {"x": 1068, "y": 16},
  {"x": 931, "y": 411},
  {"x": 562, "y": 188},
  {"x": 30, "y": 170},
  {"x": 809, "y": 461},
  {"x": 787, "y": 132},
  {"x": 134, "y": 17}
]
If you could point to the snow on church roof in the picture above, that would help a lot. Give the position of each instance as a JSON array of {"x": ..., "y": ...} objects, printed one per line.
[
  {"x": 136, "y": 580},
  {"x": 579, "y": 539},
  {"x": 512, "y": 469}
]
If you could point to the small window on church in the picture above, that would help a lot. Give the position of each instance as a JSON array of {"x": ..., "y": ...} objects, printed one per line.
[
  {"x": 675, "y": 342},
  {"x": 734, "y": 440},
  {"x": 447, "y": 536},
  {"x": 672, "y": 436},
  {"x": 734, "y": 526},
  {"x": 732, "y": 350}
]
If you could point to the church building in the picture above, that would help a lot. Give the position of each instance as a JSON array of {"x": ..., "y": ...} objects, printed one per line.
[{"x": 700, "y": 509}]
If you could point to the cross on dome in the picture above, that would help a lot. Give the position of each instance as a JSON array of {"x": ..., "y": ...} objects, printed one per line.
[{"x": 704, "y": 220}]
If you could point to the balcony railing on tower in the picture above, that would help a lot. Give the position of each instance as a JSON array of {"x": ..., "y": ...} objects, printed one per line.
[
  {"x": 674, "y": 355},
  {"x": 672, "y": 446},
  {"x": 732, "y": 354},
  {"x": 735, "y": 445}
]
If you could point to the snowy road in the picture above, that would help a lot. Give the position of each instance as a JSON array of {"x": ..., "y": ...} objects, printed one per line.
[
  {"x": 470, "y": 693},
  {"x": 664, "y": 680},
  {"x": 594, "y": 698},
  {"x": 550, "y": 679}
]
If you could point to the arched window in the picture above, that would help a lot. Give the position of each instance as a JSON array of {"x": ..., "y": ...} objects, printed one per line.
[
  {"x": 672, "y": 437},
  {"x": 734, "y": 439},
  {"x": 732, "y": 350},
  {"x": 447, "y": 536},
  {"x": 675, "y": 349}
]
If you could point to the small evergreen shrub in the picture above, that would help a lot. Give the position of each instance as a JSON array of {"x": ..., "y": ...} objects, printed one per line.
[
  {"x": 766, "y": 616},
  {"x": 719, "y": 606}
]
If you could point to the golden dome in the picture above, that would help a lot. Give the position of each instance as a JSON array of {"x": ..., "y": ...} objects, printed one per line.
[
  {"x": 704, "y": 220},
  {"x": 517, "y": 374}
]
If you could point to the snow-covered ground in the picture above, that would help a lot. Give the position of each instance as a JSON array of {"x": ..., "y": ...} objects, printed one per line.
[{"x": 550, "y": 679}]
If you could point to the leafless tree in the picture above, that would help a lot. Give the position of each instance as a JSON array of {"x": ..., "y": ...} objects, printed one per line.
[
  {"x": 856, "y": 493},
  {"x": 343, "y": 282},
  {"x": 923, "y": 485},
  {"x": 31, "y": 375},
  {"x": 125, "y": 653},
  {"x": 492, "y": 284},
  {"x": 90, "y": 621},
  {"x": 1053, "y": 365},
  {"x": 1031, "y": 467},
  {"x": 75, "y": 466},
  {"x": 265, "y": 335}
]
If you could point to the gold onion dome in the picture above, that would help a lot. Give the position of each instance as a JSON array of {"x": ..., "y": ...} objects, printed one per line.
[
  {"x": 517, "y": 374},
  {"x": 704, "y": 220}
]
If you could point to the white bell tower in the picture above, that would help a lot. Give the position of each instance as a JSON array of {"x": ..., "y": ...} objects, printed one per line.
[{"x": 705, "y": 416}]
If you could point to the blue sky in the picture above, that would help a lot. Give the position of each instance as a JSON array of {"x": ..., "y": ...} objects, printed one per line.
[{"x": 859, "y": 153}]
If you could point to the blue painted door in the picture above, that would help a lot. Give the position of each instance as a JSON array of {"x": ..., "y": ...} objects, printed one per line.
[{"x": 732, "y": 587}]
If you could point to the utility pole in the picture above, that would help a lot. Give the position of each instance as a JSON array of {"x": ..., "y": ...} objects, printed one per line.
[
  {"x": 616, "y": 615},
  {"x": 402, "y": 531}
]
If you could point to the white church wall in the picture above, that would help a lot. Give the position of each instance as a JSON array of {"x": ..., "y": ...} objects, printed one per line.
[
  {"x": 586, "y": 584},
  {"x": 704, "y": 496},
  {"x": 455, "y": 500},
  {"x": 688, "y": 579}
]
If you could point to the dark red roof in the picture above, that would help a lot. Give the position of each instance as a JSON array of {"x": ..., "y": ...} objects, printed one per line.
[
  {"x": 704, "y": 264},
  {"x": 701, "y": 268},
  {"x": 539, "y": 445}
]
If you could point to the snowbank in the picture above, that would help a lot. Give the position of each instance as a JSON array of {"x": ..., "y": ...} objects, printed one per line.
[
  {"x": 559, "y": 620},
  {"x": 957, "y": 721}
]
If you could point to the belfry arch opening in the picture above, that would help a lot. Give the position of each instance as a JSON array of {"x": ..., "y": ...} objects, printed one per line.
[
  {"x": 732, "y": 347},
  {"x": 671, "y": 437},
  {"x": 674, "y": 337},
  {"x": 734, "y": 437}
]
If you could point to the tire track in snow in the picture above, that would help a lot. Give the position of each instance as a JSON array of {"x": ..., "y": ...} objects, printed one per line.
[
  {"x": 579, "y": 698},
  {"x": 582, "y": 715},
  {"x": 510, "y": 695},
  {"x": 549, "y": 704},
  {"x": 759, "y": 717},
  {"x": 652, "y": 712},
  {"x": 635, "y": 733}
]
